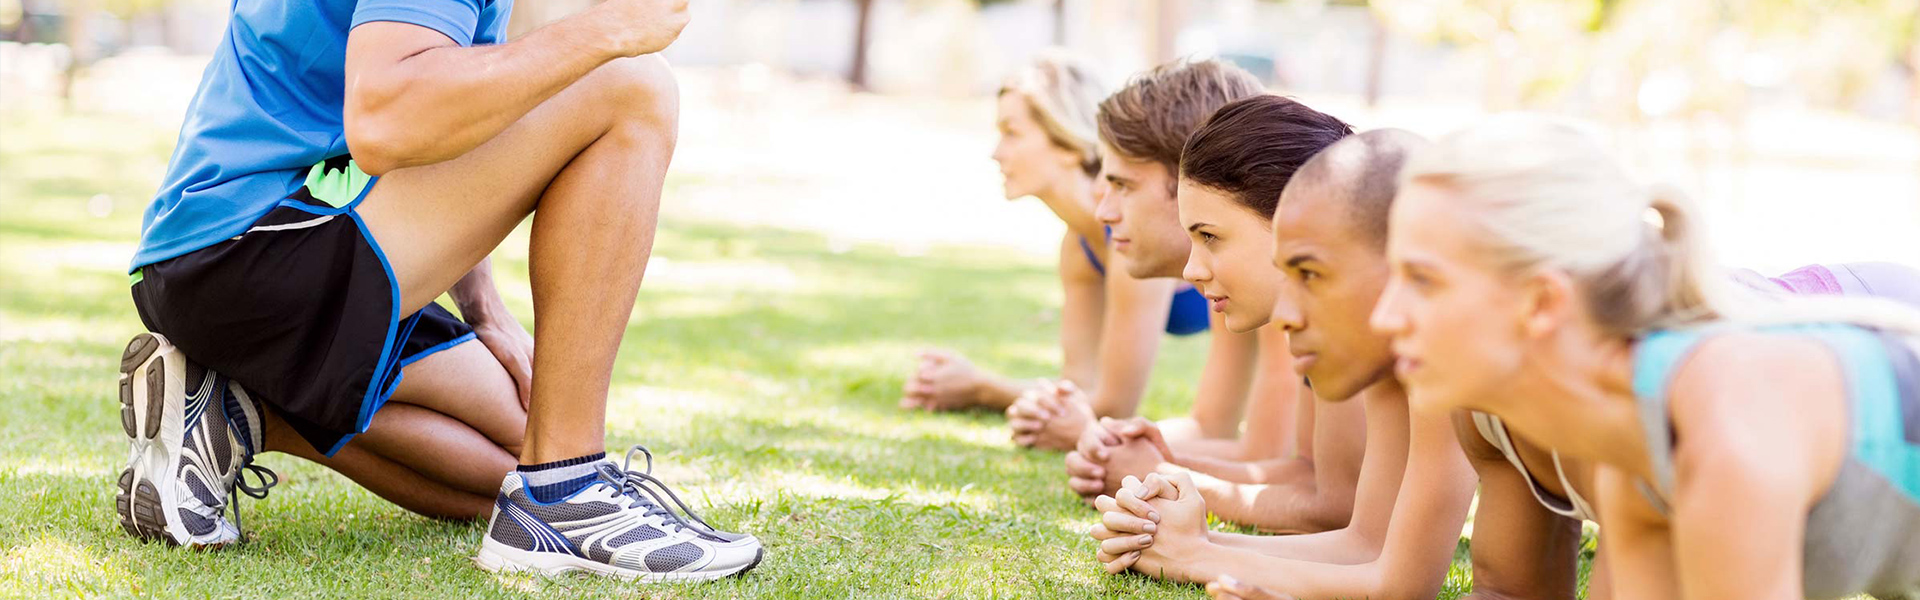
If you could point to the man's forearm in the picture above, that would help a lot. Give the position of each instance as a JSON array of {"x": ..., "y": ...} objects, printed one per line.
[
  {"x": 1479, "y": 594},
  {"x": 1338, "y": 547},
  {"x": 475, "y": 294},
  {"x": 998, "y": 392},
  {"x": 1289, "y": 506},
  {"x": 1221, "y": 398},
  {"x": 1315, "y": 580},
  {"x": 1209, "y": 455},
  {"x": 1133, "y": 325},
  {"x": 1278, "y": 471},
  {"x": 443, "y": 101}
]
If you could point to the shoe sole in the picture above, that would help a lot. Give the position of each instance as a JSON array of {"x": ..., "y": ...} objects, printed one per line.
[
  {"x": 501, "y": 558},
  {"x": 152, "y": 410}
]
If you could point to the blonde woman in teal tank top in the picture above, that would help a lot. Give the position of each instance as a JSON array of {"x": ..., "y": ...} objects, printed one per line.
[{"x": 1742, "y": 449}]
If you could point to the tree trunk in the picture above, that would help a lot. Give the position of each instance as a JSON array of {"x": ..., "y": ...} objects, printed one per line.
[
  {"x": 1060, "y": 23},
  {"x": 1913, "y": 70},
  {"x": 1168, "y": 17},
  {"x": 80, "y": 49},
  {"x": 1376, "y": 59},
  {"x": 857, "y": 74}
]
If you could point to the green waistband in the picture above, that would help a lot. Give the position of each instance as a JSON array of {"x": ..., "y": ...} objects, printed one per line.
[{"x": 336, "y": 185}]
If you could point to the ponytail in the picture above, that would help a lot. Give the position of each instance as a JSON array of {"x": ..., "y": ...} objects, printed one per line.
[{"x": 1546, "y": 195}]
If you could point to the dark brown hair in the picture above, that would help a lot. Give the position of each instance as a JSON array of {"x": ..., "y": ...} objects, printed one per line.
[
  {"x": 1151, "y": 118},
  {"x": 1251, "y": 148}
]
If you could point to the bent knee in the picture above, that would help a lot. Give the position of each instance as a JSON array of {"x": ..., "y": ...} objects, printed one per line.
[{"x": 641, "y": 91}]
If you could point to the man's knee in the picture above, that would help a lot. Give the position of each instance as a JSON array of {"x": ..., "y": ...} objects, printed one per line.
[{"x": 640, "y": 93}]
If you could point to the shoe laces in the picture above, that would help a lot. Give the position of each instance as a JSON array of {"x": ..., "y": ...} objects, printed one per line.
[
  {"x": 264, "y": 477},
  {"x": 267, "y": 479},
  {"x": 643, "y": 482}
]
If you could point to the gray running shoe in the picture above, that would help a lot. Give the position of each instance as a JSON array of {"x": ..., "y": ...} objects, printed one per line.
[
  {"x": 183, "y": 454},
  {"x": 617, "y": 526}
]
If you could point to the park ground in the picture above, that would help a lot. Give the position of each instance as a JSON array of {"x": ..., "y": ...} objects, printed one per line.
[{"x": 761, "y": 366}]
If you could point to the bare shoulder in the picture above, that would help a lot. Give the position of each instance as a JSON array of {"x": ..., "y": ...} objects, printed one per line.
[
  {"x": 1759, "y": 405},
  {"x": 1476, "y": 446},
  {"x": 1742, "y": 371},
  {"x": 1074, "y": 264}
]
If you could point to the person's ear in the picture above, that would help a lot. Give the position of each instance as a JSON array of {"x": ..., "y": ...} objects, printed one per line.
[{"x": 1547, "y": 303}]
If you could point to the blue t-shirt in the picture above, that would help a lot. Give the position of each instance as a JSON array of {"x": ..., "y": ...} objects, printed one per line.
[{"x": 269, "y": 108}]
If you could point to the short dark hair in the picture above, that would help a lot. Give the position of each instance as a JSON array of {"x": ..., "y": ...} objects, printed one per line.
[
  {"x": 1152, "y": 117},
  {"x": 1365, "y": 171},
  {"x": 1251, "y": 148}
]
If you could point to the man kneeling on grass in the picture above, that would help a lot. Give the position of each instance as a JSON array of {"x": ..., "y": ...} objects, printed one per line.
[{"x": 346, "y": 162}]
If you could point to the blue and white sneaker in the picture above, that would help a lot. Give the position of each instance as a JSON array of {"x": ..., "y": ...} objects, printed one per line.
[
  {"x": 184, "y": 454},
  {"x": 618, "y": 526}
]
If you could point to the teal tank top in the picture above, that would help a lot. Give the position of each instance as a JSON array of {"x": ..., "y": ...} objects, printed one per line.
[{"x": 1863, "y": 535}]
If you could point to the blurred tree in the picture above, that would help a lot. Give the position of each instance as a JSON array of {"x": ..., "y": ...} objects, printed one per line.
[
  {"x": 81, "y": 48},
  {"x": 862, "y": 32},
  {"x": 863, "y": 35},
  {"x": 1168, "y": 17},
  {"x": 1697, "y": 54},
  {"x": 1532, "y": 49}
]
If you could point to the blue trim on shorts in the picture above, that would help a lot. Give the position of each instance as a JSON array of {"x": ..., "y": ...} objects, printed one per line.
[
  {"x": 408, "y": 360},
  {"x": 384, "y": 379}
]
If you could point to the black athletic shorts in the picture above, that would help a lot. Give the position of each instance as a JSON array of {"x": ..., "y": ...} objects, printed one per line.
[{"x": 301, "y": 310}]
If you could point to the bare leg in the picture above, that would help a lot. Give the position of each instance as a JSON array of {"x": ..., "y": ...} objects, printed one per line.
[
  {"x": 465, "y": 382},
  {"x": 442, "y": 444},
  {"x": 455, "y": 419},
  {"x": 385, "y": 478},
  {"x": 593, "y": 160}
]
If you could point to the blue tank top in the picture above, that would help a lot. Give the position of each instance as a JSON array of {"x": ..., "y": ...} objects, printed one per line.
[{"x": 1187, "y": 316}]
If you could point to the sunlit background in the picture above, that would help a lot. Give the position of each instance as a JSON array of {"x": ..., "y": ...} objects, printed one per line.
[
  {"x": 870, "y": 120},
  {"x": 832, "y": 208}
]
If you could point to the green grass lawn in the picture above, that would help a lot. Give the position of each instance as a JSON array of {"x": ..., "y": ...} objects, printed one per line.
[{"x": 760, "y": 366}]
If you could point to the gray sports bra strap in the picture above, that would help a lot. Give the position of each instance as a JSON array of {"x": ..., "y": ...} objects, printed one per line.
[
  {"x": 1654, "y": 361},
  {"x": 1495, "y": 432}
]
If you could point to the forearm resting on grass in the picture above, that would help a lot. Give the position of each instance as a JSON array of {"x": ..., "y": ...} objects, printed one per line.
[
  {"x": 1291, "y": 501},
  {"x": 1314, "y": 580}
]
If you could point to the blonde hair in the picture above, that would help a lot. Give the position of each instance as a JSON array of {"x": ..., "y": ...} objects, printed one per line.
[
  {"x": 1064, "y": 94},
  {"x": 1545, "y": 194}
]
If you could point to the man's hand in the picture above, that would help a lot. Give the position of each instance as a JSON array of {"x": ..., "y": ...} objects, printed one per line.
[
  {"x": 642, "y": 26},
  {"x": 943, "y": 381},
  {"x": 1179, "y": 515},
  {"x": 1139, "y": 428},
  {"x": 510, "y": 343},
  {"x": 1050, "y": 418},
  {"x": 1136, "y": 458},
  {"x": 496, "y": 327},
  {"x": 1123, "y": 531},
  {"x": 1087, "y": 463},
  {"x": 1112, "y": 449}
]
